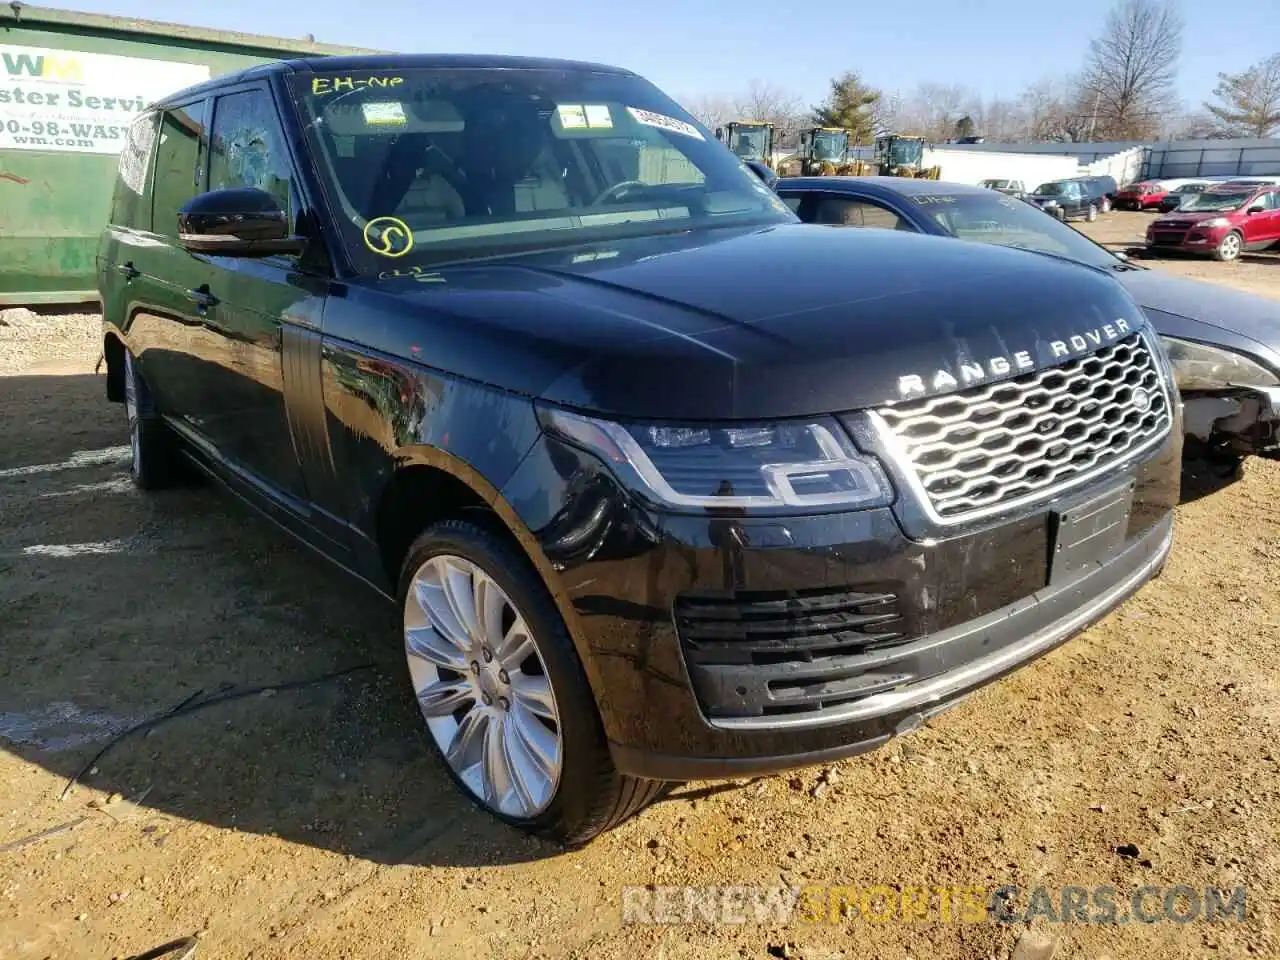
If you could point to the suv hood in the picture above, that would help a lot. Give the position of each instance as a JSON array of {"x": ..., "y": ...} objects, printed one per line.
[
  {"x": 1192, "y": 216},
  {"x": 782, "y": 321},
  {"x": 1208, "y": 312}
]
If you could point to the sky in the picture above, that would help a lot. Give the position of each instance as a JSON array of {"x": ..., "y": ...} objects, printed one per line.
[{"x": 691, "y": 48}]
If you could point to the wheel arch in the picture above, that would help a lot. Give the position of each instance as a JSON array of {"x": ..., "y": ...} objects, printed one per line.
[
  {"x": 113, "y": 354},
  {"x": 428, "y": 485}
]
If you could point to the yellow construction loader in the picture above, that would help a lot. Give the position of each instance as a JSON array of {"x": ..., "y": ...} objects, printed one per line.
[
  {"x": 824, "y": 152},
  {"x": 751, "y": 140},
  {"x": 902, "y": 155}
]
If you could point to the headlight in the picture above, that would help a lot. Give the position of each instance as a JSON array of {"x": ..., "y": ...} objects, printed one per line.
[
  {"x": 770, "y": 467},
  {"x": 1197, "y": 366},
  {"x": 1216, "y": 222}
]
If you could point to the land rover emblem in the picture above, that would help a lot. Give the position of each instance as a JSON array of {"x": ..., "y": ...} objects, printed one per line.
[{"x": 1141, "y": 400}]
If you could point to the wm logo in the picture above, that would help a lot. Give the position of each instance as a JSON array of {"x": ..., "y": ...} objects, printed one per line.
[{"x": 44, "y": 67}]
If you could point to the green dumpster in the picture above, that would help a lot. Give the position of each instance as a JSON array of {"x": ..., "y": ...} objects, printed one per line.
[{"x": 69, "y": 85}]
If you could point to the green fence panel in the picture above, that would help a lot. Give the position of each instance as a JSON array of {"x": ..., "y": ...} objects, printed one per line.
[{"x": 69, "y": 85}]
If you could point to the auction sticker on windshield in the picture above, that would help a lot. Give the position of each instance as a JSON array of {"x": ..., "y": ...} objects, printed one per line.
[
  {"x": 69, "y": 101},
  {"x": 584, "y": 116},
  {"x": 384, "y": 114},
  {"x": 663, "y": 122}
]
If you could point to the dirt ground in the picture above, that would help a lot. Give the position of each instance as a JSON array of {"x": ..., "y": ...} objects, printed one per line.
[{"x": 309, "y": 820}]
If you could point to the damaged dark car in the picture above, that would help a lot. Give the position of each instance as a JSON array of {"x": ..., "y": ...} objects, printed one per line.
[{"x": 1224, "y": 344}]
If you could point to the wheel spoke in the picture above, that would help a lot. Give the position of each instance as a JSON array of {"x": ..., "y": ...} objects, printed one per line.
[
  {"x": 429, "y": 644},
  {"x": 497, "y": 774},
  {"x": 534, "y": 693},
  {"x": 528, "y": 781},
  {"x": 489, "y": 603},
  {"x": 516, "y": 647},
  {"x": 542, "y": 745},
  {"x": 433, "y": 601},
  {"x": 458, "y": 592},
  {"x": 466, "y": 749},
  {"x": 444, "y": 697}
]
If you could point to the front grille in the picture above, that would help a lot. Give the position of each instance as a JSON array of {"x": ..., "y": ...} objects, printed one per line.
[
  {"x": 991, "y": 445},
  {"x": 1168, "y": 239},
  {"x": 757, "y": 653}
]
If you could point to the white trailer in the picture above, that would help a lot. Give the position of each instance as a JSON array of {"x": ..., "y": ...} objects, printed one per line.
[{"x": 974, "y": 166}]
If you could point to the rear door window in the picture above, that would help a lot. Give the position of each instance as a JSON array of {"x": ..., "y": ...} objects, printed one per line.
[
  {"x": 180, "y": 158},
  {"x": 850, "y": 212},
  {"x": 247, "y": 147},
  {"x": 131, "y": 201}
]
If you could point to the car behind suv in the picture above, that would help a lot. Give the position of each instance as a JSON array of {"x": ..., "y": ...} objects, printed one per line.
[
  {"x": 1223, "y": 221},
  {"x": 1083, "y": 197},
  {"x": 1142, "y": 195},
  {"x": 660, "y": 491},
  {"x": 1180, "y": 195},
  {"x": 1224, "y": 344},
  {"x": 1011, "y": 188}
]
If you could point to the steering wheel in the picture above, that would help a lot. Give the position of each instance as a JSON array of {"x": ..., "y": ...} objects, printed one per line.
[{"x": 616, "y": 191}]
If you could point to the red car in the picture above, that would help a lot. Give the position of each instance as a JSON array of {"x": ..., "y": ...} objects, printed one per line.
[
  {"x": 1139, "y": 196},
  {"x": 1223, "y": 221}
]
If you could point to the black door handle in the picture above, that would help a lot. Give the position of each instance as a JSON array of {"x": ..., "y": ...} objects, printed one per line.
[
  {"x": 202, "y": 298},
  {"x": 128, "y": 270}
]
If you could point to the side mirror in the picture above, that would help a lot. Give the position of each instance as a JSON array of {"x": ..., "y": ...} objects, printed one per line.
[
  {"x": 761, "y": 170},
  {"x": 236, "y": 222},
  {"x": 1256, "y": 208}
]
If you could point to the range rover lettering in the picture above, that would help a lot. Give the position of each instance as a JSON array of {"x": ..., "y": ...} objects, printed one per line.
[{"x": 665, "y": 483}]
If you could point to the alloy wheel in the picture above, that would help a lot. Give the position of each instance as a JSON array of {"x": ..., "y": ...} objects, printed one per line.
[
  {"x": 1230, "y": 246},
  {"x": 482, "y": 686}
]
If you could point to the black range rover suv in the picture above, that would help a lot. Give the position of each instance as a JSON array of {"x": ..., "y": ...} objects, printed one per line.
[{"x": 666, "y": 484}]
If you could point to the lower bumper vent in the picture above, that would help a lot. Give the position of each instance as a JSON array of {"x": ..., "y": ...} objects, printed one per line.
[{"x": 762, "y": 653}]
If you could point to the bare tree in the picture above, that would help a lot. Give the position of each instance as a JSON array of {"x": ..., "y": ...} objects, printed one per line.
[
  {"x": 712, "y": 110},
  {"x": 1130, "y": 70},
  {"x": 932, "y": 110},
  {"x": 775, "y": 104},
  {"x": 1001, "y": 121},
  {"x": 1249, "y": 102},
  {"x": 1196, "y": 126}
]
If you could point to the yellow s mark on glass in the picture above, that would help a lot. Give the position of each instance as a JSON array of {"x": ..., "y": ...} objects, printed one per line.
[{"x": 388, "y": 236}]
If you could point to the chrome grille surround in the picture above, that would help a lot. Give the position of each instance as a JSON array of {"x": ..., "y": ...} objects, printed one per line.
[{"x": 1000, "y": 445}]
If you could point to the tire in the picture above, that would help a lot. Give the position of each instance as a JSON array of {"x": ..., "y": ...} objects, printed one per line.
[
  {"x": 485, "y": 704},
  {"x": 1091, "y": 214},
  {"x": 155, "y": 462},
  {"x": 1229, "y": 248},
  {"x": 1106, "y": 204}
]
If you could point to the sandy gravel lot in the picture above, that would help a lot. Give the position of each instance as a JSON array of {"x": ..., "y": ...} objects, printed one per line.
[{"x": 310, "y": 821}]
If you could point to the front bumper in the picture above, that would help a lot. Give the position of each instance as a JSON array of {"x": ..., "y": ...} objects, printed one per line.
[
  {"x": 703, "y": 637},
  {"x": 968, "y": 656},
  {"x": 1187, "y": 240}
]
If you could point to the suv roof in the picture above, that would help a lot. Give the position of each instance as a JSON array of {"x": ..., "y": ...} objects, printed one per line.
[{"x": 393, "y": 61}]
